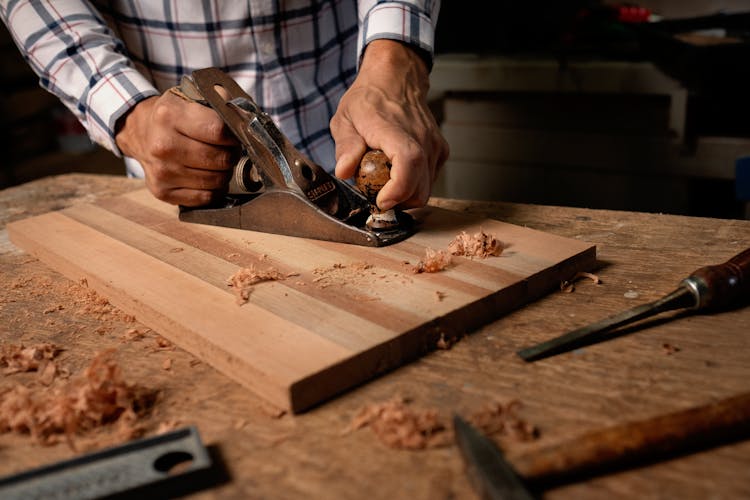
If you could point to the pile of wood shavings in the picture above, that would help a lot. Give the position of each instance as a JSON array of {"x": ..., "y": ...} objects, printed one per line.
[
  {"x": 433, "y": 261},
  {"x": 401, "y": 427},
  {"x": 480, "y": 245},
  {"x": 496, "y": 418},
  {"x": 38, "y": 358},
  {"x": 19, "y": 358},
  {"x": 245, "y": 278},
  {"x": 98, "y": 397}
]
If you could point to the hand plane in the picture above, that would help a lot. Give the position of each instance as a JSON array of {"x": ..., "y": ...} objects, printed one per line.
[{"x": 275, "y": 188}]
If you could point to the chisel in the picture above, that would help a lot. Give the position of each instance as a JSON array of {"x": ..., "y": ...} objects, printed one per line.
[{"x": 710, "y": 287}]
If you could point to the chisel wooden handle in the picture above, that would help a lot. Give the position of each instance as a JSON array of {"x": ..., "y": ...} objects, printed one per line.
[
  {"x": 721, "y": 284},
  {"x": 636, "y": 442}
]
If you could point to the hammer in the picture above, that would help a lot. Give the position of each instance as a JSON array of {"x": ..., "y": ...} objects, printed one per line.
[{"x": 601, "y": 451}]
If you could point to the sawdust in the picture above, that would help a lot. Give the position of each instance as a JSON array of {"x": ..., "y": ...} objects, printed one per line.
[
  {"x": 246, "y": 278},
  {"x": 568, "y": 286},
  {"x": 480, "y": 245},
  {"x": 433, "y": 261},
  {"x": 399, "y": 426},
  {"x": 98, "y": 397},
  {"x": 89, "y": 302},
  {"x": 341, "y": 274}
]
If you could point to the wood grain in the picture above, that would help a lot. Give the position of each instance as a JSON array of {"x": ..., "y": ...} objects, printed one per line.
[{"x": 326, "y": 328}]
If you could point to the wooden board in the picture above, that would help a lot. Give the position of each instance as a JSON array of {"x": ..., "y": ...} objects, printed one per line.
[{"x": 299, "y": 341}]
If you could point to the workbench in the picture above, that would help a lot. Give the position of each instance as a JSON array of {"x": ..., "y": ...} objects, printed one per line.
[{"x": 667, "y": 366}]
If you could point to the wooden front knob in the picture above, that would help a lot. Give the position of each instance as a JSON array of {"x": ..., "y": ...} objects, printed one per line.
[{"x": 373, "y": 172}]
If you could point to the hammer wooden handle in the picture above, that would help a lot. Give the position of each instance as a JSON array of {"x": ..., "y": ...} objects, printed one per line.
[{"x": 636, "y": 442}]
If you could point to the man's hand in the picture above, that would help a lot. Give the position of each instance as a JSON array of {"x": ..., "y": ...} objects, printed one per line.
[
  {"x": 186, "y": 151},
  {"x": 386, "y": 108}
]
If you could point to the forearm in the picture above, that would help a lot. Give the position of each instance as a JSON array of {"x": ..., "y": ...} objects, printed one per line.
[{"x": 78, "y": 58}]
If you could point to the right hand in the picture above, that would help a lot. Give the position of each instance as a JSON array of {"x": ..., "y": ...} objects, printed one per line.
[{"x": 186, "y": 151}]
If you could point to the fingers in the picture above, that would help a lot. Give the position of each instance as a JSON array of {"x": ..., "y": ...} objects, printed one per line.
[
  {"x": 350, "y": 147},
  {"x": 185, "y": 149}
]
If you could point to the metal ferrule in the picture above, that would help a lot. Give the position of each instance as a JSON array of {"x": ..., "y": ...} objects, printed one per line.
[{"x": 699, "y": 289}]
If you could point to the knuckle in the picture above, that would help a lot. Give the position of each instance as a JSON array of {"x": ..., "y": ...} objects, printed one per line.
[
  {"x": 161, "y": 146},
  {"x": 201, "y": 198},
  {"x": 215, "y": 128}
]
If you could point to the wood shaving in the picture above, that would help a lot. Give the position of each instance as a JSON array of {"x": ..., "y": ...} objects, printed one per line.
[
  {"x": 271, "y": 410},
  {"x": 497, "y": 418},
  {"x": 480, "y": 245},
  {"x": 48, "y": 373},
  {"x": 176, "y": 250},
  {"x": 568, "y": 286},
  {"x": 433, "y": 261},
  {"x": 401, "y": 427},
  {"x": 245, "y": 278},
  {"x": 670, "y": 349},
  {"x": 133, "y": 334},
  {"x": 445, "y": 343},
  {"x": 19, "y": 358},
  {"x": 162, "y": 343},
  {"x": 99, "y": 396},
  {"x": 168, "y": 426}
]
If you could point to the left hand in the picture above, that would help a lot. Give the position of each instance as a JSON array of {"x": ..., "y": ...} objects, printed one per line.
[{"x": 386, "y": 108}]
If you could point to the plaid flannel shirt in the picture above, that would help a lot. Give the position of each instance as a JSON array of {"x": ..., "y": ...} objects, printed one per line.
[{"x": 295, "y": 57}]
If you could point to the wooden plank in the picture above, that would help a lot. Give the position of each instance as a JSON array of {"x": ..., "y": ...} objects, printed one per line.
[{"x": 324, "y": 329}]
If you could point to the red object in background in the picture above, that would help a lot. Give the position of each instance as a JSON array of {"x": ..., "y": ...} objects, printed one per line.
[{"x": 628, "y": 13}]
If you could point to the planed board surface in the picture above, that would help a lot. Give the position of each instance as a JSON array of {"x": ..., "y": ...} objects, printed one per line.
[{"x": 332, "y": 324}]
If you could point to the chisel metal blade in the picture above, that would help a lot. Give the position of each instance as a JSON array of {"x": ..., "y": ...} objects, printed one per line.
[{"x": 680, "y": 298}]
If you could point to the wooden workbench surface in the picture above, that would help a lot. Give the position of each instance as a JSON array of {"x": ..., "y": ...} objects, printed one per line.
[{"x": 671, "y": 365}]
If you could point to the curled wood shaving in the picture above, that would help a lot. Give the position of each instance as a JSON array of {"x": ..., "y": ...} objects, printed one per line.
[
  {"x": 19, "y": 358},
  {"x": 433, "y": 261},
  {"x": 98, "y": 397},
  {"x": 245, "y": 278},
  {"x": 480, "y": 245},
  {"x": 568, "y": 286}
]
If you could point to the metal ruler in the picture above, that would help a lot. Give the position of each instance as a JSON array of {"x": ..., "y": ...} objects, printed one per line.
[{"x": 162, "y": 463}]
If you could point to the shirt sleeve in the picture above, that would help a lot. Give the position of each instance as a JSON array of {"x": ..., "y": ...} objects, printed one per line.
[
  {"x": 79, "y": 59},
  {"x": 409, "y": 21}
]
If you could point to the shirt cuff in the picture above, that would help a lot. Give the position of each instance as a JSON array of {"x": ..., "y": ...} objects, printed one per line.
[
  {"x": 113, "y": 95},
  {"x": 402, "y": 22}
]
